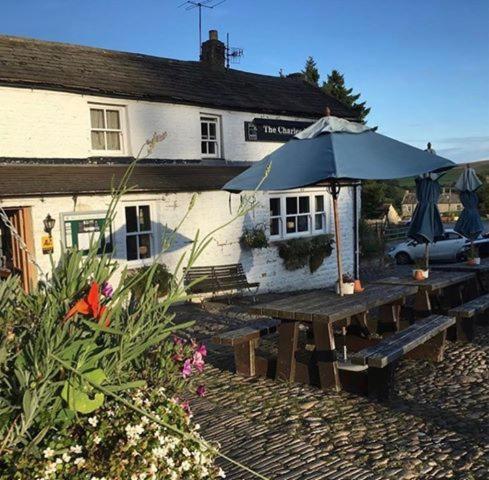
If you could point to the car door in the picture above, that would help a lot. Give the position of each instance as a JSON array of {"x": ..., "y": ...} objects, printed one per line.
[{"x": 448, "y": 247}]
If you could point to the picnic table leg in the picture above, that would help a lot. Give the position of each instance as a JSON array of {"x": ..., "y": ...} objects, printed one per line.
[
  {"x": 288, "y": 334},
  {"x": 389, "y": 318},
  {"x": 329, "y": 377},
  {"x": 380, "y": 381},
  {"x": 422, "y": 303},
  {"x": 244, "y": 358}
]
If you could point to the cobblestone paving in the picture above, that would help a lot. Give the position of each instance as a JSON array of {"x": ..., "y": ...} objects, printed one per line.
[{"x": 434, "y": 427}]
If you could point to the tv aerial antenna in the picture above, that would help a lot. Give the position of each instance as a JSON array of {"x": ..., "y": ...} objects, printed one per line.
[
  {"x": 192, "y": 5},
  {"x": 233, "y": 54}
]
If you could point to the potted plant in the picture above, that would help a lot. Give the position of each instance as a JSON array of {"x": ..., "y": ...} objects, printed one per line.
[
  {"x": 420, "y": 270},
  {"x": 473, "y": 257},
  {"x": 348, "y": 284}
]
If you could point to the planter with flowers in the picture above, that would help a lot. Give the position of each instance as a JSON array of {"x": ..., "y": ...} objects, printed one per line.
[
  {"x": 473, "y": 257},
  {"x": 255, "y": 237},
  {"x": 420, "y": 270},
  {"x": 348, "y": 284}
]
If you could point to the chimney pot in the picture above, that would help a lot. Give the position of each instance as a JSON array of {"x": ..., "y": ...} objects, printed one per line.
[{"x": 213, "y": 51}]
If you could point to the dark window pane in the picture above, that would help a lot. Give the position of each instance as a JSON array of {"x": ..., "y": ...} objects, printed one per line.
[
  {"x": 144, "y": 220},
  {"x": 319, "y": 203},
  {"x": 275, "y": 207},
  {"x": 211, "y": 148},
  {"x": 113, "y": 141},
  {"x": 303, "y": 223},
  {"x": 131, "y": 219},
  {"x": 203, "y": 146},
  {"x": 318, "y": 225},
  {"x": 291, "y": 224},
  {"x": 274, "y": 226},
  {"x": 132, "y": 247},
  {"x": 203, "y": 130},
  {"x": 304, "y": 205},
  {"x": 144, "y": 246},
  {"x": 212, "y": 130},
  {"x": 291, "y": 205}
]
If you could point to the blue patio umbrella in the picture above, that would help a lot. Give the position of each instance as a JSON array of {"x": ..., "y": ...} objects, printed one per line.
[
  {"x": 469, "y": 223},
  {"x": 426, "y": 223},
  {"x": 334, "y": 152}
]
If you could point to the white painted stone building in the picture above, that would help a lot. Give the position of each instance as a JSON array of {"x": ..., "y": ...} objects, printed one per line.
[{"x": 72, "y": 117}]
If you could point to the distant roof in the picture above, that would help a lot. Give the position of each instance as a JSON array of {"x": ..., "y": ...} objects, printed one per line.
[
  {"x": 73, "y": 68},
  {"x": 445, "y": 198},
  {"x": 39, "y": 180}
]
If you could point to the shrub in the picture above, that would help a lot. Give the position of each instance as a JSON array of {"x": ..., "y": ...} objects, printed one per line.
[
  {"x": 371, "y": 243},
  {"x": 160, "y": 279},
  {"x": 254, "y": 238},
  {"x": 298, "y": 252}
]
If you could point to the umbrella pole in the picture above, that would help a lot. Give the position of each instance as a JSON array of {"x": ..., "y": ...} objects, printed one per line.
[
  {"x": 335, "y": 191},
  {"x": 427, "y": 255}
]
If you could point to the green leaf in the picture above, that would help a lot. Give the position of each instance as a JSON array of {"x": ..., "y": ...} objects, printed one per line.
[{"x": 75, "y": 393}]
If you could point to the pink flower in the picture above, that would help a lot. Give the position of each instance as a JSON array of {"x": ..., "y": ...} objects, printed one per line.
[
  {"x": 201, "y": 391},
  {"x": 186, "y": 407},
  {"x": 198, "y": 362},
  {"x": 178, "y": 340},
  {"x": 202, "y": 350},
  {"x": 187, "y": 368},
  {"x": 107, "y": 290}
]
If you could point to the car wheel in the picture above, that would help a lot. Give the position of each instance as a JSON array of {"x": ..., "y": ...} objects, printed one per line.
[
  {"x": 402, "y": 258},
  {"x": 461, "y": 257}
]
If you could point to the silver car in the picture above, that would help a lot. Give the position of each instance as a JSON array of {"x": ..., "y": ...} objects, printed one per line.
[{"x": 450, "y": 247}]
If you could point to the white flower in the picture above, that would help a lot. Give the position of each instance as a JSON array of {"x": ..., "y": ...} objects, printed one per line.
[
  {"x": 76, "y": 449},
  {"x": 93, "y": 421},
  {"x": 79, "y": 462},
  {"x": 50, "y": 468},
  {"x": 196, "y": 426},
  {"x": 159, "y": 452},
  {"x": 170, "y": 462},
  {"x": 48, "y": 453},
  {"x": 221, "y": 473},
  {"x": 66, "y": 457},
  {"x": 185, "y": 466},
  {"x": 186, "y": 452},
  {"x": 153, "y": 468},
  {"x": 96, "y": 439}
]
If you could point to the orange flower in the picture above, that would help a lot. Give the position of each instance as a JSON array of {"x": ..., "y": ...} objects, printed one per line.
[{"x": 90, "y": 305}]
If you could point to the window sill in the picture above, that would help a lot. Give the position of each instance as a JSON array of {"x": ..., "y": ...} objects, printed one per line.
[{"x": 276, "y": 240}]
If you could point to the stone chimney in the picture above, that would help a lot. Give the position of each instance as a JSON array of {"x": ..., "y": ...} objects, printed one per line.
[{"x": 213, "y": 51}]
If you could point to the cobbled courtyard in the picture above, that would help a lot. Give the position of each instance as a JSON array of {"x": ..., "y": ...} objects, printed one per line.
[{"x": 434, "y": 427}]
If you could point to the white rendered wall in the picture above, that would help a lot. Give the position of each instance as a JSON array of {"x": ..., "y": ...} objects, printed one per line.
[
  {"x": 45, "y": 124},
  {"x": 211, "y": 210}
]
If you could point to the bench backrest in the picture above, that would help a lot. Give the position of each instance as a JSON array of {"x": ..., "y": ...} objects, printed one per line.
[{"x": 218, "y": 277}]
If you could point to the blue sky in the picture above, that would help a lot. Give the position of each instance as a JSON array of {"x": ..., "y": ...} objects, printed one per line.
[{"x": 421, "y": 65}]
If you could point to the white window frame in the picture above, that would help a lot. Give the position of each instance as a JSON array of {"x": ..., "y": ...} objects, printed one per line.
[
  {"x": 122, "y": 136},
  {"x": 208, "y": 118},
  {"x": 151, "y": 233},
  {"x": 311, "y": 214}
]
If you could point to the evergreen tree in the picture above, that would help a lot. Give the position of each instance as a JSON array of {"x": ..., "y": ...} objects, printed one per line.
[
  {"x": 311, "y": 71},
  {"x": 335, "y": 86}
]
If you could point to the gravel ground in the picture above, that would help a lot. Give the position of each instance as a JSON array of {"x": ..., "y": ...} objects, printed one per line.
[{"x": 434, "y": 427}]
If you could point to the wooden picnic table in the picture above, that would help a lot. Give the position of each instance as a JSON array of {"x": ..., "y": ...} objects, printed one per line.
[
  {"x": 481, "y": 271},
  {"x": 322, "y": 309},
  {"x": 433, "y": 286}
]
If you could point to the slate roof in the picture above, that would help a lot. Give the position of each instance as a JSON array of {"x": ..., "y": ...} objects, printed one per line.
[
  {"x": 73, "y": 68},
  {"x": 40, "y": 180}
]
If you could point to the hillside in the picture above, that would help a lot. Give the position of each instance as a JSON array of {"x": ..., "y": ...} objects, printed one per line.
[{"x": 449, "y": 178}]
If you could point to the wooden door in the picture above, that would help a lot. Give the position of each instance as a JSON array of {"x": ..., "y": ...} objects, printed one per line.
[{"x": 16, "y": 256}]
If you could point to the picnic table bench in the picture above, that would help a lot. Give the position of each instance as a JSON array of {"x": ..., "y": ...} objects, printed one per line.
[
  {"x": 218, "y": 278},
  {"x": 424, "y": 339},
  {"x": 481, "y": 271},
  {"x": 466, "y": 314},
  {"x": 429, "y": 290}
]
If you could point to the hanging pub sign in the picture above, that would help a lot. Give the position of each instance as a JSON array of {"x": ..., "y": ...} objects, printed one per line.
[
  {"x": 80, "y": 229},
  {"x": 47, "y": 244},
  {"x": 268, "y": 130}
]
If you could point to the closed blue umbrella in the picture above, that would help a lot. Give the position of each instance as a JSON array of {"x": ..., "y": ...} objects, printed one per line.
[
  {"x": 426, "y": 223},
  {"x": 469, "y": 223}
]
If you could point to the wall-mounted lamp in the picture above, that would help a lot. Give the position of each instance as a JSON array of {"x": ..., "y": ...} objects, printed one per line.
[{"x": 49, "y": 223}]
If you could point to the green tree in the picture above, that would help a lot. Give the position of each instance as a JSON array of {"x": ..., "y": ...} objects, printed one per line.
[
  {"x": 311, "y": 71},
  {"x": 335, "y": 86}
]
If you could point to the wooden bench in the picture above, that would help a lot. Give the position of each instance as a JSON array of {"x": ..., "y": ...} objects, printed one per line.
[
  {"x": 215, "y": 279},
  {"x": 424, "y": 339},
  {"x": 465, "y": 315},
  {"x": 244, "y": 341}
]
